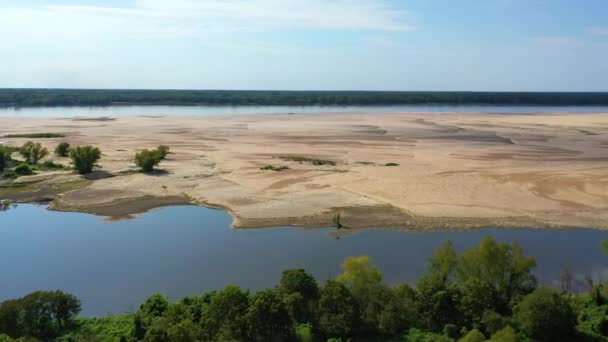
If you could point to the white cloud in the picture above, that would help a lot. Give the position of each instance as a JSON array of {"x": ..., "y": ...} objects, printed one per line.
[
  {"x": 602, "y": 31},
  {"x": 163, "y": 18}
]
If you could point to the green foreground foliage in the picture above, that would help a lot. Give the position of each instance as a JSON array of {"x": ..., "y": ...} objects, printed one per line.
[{"x": 486, "y": 293}]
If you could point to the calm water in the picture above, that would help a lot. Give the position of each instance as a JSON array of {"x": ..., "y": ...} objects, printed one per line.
[
  {"x": 178, "y": 251},
  {"x": 225, "y": 110}
]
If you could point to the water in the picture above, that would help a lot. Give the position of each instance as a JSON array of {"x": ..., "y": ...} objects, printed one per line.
[
  {"x": 184, "y": 250},
  {"x": 226, "y": 110}
]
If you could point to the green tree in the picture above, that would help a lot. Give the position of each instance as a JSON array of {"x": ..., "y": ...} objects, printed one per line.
[
  {"x": 149, "y": 312},
  {"x": 268, "y": 318},
  {"x": 605, "y": 246},
  {"x": 546, "y": 316},
  {"x": 84, "y": 158},
  {"x": 184, "y": 331},
  {"x": 147, "y": 160},
  {"x": 3, "y": 159},
  {"x": 163, "y": 151},
  {"x": 224, "y": 317},
  {"x": 497, "y": 273},
  {"x": 438, "y": 302},
  {"x": 62, "y": 149},
  {"x": 338, "y": 312},
  {"x": 33, "y": 152},
  {"x": 473, "y": 336},
  {"x": 300, "y": 293},
  {"x": 507, "y": 334},
  {"x": 364, "y": 282}
]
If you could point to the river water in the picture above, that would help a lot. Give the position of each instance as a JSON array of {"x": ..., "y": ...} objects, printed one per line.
[
  {"x": 115, "y": 111},
  {"x": 183, "y": 250}
]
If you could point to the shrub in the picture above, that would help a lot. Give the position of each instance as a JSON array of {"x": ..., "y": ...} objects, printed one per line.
[
  {"x": 36, "y": 135},
  {"x": 23, "y": 170},
  {"x": 62, "y": 150},
  {"x": 2, "y": 160},
  {"x": 391, "y": 164},
  {"x": 84, "y": 158},
  {"x": 147, "y": 159},
  {"x": 545, "y": 315},
  {"x": 163, "y": 150},
  {"x": 274, "y": 168},
  {"x": 49, "y": 165},
  {"x": 312, "y": 161},
  {"x": 473, "y": 336},
  {"x": 33, "y": 152}
]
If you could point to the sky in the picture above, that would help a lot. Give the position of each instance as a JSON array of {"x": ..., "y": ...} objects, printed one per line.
[{"x": 477, "y": 45}]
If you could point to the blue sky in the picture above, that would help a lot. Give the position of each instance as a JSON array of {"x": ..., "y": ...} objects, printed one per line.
[{"x": 493, "y": 45}]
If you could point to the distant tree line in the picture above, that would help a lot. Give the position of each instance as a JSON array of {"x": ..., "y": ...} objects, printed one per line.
[
  {"x": 486, "y": 293},
  {"x": 101, "y": 97}
]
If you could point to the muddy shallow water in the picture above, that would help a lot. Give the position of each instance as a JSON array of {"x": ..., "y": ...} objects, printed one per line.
[{"x": 113, "y": 266}]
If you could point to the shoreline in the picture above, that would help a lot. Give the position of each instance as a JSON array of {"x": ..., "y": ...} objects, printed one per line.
[{"x": 464, "y": 171}]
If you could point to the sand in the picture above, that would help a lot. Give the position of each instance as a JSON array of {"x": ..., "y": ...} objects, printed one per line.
[{"x": 456, "y": 171}]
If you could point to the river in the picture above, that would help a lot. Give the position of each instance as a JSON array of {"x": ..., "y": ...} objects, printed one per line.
[{"x": 184, "y": 250}]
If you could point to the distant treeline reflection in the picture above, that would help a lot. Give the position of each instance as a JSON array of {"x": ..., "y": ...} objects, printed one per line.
[{"x": 105, "y": 97}]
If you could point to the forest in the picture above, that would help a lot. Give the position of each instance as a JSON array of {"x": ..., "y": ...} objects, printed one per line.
[
  {"x": 106, "y": 97},
  {"x": 484, "y": 293}
]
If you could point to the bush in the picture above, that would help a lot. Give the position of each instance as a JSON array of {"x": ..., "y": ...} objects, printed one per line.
[
  {"x": 147, "y": 159},
  {"x": 274, "y": 168},
  {"x": 2, "y": 160},
  {"x": 163, "y": 150},
  {"x": 473, "y": 336},
  {"x": 36, "y": 135},
  {"x": 391, "y": 164},
  {"x": 32, "y": 153},
  {"x": 545, "y": 315},
  {"x": 23, "y": 170},
  {"x": 62, "y": 150},
  {"x": 84, "y": 158}
]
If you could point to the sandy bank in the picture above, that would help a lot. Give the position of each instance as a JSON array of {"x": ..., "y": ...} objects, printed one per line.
[{"x": 454, "y": 170}]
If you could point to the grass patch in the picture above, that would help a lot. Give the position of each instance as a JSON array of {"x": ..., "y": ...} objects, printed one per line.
[
  {"x": 312, "y": 161},
  {"x": 36, "y": 135},
  {"x": 391, "y": 164},
  {"x": 274, "y": 168}
]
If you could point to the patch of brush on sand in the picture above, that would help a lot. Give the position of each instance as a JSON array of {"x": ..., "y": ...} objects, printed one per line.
[
  {"x": 313, "y": 161},
  {"x": 36, "y": 135},
  {"x": 274, "y": 168},
  {"x": 41, "y": 191}
]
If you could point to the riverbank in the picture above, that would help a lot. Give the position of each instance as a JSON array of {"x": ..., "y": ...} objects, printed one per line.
[{"x": 408, "y": 170}]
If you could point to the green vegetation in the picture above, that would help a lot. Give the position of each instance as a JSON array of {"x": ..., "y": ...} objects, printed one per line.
[
  {"x": 62, "y": 149},
  {"x": 107, "y": 97},
  {"x": 40, "y": 315},
  {"x": 23, "y": 170},
  {"x": 486, "y": 293},
  {"x": 148, "y": 159},
  {"x": 33, "y": 152},
  {"x": 163, "y": 150},
  {"x": 36, "y": 135},
  {"x": 391, "y": 164},
  {"x": 274, "y": 168},
  {"x": 312, "y": 161},
  {"x": 85, "y": 158}
]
